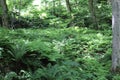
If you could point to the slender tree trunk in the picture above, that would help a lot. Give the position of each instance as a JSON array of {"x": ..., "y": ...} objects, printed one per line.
[
  {"x": 54, "y": 7},
  {"x": 116, "y": 35},
  {"x": 68, "y": 6},
  {"x": 4, "y": 13},
  {"x": 93, "y": 13}
]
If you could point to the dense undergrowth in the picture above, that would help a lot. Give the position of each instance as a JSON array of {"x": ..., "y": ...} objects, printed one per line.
[{"x": 55, "y": 54}]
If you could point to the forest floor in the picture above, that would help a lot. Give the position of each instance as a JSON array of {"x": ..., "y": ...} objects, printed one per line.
[{"x": 57, "y": 54}]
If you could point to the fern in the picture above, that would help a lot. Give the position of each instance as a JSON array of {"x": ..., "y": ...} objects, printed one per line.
[
  {"x": 18, "y": 50},
  {"x": 10, "y": 76}
]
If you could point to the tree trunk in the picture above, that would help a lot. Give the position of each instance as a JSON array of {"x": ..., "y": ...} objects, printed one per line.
[
  {"x": 68, "y": 6},
  {"x": 116, "y": 35},
  {"x": 93, "y": 13},
  {"x": 54, "y": 11},
  {"x": 4, "y": 13}
]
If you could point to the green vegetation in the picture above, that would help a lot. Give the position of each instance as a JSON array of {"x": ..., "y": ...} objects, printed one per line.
[
  {"x": 56, "y": 40},
  {"x": 55, "y": 54},
  {"x": 55, "y": 13}
]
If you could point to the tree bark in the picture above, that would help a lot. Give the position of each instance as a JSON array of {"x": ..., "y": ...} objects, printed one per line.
[
  {"x": 93, "y": 13},
  {"x": 116, "y": 35},
  {"x": 68, "y": 6},
  {"x": 4, "y": 13}
]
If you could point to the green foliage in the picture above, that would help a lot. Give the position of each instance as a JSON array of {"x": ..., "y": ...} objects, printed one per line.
[
  {"x": 116, "y": 77},
  {"x": 58, "y": 72},
  {"x": 47, "y": 13},
  {"x": 10, "y": 76},
  {"x": 56, "y": 54},
  {"x": 18, "y": 4},
  {"x": 18, "y": 50}
]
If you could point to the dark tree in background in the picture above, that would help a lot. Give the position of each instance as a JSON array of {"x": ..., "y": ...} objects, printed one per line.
[
  {"x": 4, "y": 13},
  {"x": 92, "y": 10},
  {"x": 68, "y": 6}
]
